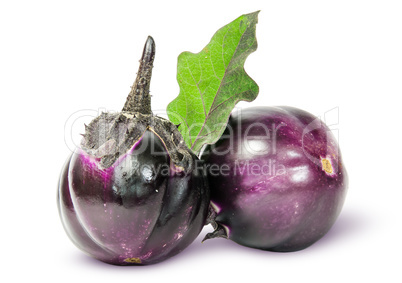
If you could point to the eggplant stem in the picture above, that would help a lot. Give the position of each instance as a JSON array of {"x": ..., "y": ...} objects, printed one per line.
[{"x": 139, "y": 99}]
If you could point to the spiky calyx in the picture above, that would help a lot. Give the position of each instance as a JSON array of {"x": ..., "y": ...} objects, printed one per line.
[{"x": 111, "y": 135}]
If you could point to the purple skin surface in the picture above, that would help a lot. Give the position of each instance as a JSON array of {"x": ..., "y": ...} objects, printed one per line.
[
  {"x": 277, "y": 180},
  {"x": 139, "y": 211}
]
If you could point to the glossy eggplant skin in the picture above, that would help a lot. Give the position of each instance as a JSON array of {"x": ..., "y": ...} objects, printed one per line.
[
  {"x": 139, "y": 211},
  {"x": 284, "y": 182}
]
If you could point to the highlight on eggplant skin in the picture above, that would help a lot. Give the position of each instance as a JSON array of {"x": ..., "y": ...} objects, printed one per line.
[
  {"x": 133, "y": 193},
  {"x": 277, "y": 179}
]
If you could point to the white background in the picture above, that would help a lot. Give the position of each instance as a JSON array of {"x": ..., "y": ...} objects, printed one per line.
[{"x": 60, "y": 57}]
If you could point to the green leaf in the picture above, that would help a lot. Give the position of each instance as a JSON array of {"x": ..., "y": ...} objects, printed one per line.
[{"x": 213, "y": 81}]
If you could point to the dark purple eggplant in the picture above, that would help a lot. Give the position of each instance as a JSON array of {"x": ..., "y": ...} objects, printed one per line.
[
  {"x": 277, "y": 179},
  {"x": 133, "y": 194}
]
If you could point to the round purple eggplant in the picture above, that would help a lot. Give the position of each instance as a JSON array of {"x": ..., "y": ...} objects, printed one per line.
[
  {"x": 133, "y": 194},
  {"x": 277, "y": 179}
]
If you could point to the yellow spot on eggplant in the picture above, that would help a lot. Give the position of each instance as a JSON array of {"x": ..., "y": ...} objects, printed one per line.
[
  {"x": 133, "y": 260},
  {"x": 326, "y": 165}
]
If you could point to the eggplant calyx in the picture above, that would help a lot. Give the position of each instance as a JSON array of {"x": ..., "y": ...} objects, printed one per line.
[
  {"x": 221, "y": 231},
  {"x": 112, "y": 135},
  {"x": 212, "y": 213}
]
